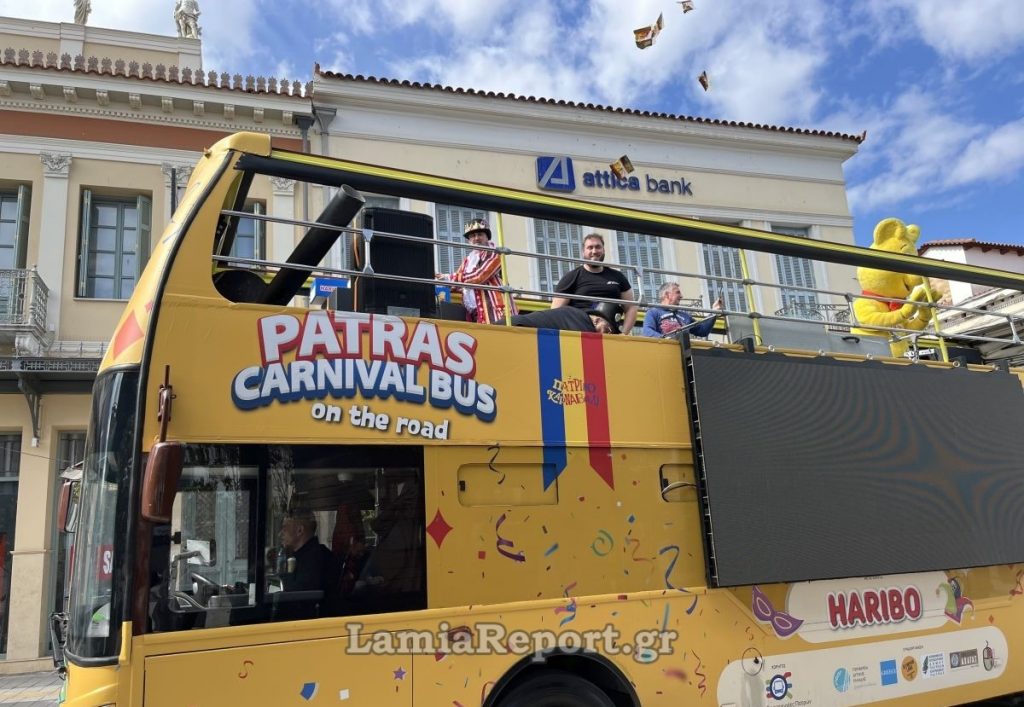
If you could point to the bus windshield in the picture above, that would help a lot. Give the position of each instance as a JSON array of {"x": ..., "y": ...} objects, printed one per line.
[{"x": 94, "y": 609}]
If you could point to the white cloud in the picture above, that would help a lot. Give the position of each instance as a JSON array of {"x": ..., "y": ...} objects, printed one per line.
[
  {"x": 334, "y": 53},
  {"x": 922, "y": 152},
  {"x": 472, "y": 20},
  {"x": 530, "y": 56},
  {"x": 757, "y": 80},
  {"x": 763, "y": 57},
  {"x": 228, "y": 34},
  {"x": 974, "y": 31},
  {"x": 995, "y": 156}
]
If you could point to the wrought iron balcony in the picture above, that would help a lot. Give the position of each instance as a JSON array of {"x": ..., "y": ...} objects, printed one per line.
[
  {"x": 23, "y": 298},
  {"x": 837, "y": 315}
]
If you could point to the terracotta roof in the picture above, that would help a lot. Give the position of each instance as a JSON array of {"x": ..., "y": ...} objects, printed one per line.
[
  {"x": 972, "y": 243},
  {"x": 590, "y": 106},
  {"x": 157, "y": 74}
]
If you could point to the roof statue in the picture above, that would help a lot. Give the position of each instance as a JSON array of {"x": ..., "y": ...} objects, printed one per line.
[
  {"x": 186, "y": 16},
  {"x": 82, "y": 10}
]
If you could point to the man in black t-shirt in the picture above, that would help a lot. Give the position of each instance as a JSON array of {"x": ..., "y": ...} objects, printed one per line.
[{"x": 593, "y": 279}]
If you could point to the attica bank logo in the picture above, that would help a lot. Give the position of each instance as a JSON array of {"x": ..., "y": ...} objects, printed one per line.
[{"x": 555, "y": 174}]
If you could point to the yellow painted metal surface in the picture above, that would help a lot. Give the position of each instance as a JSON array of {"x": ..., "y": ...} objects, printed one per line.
[{"x": 595, "y": 554}]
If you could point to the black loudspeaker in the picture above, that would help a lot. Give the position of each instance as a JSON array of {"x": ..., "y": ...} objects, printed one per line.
[{"x": 395, "y": 257}]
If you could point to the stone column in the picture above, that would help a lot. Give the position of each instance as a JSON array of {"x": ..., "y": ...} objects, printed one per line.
[
  {"x": 282, "y": 235},
  {"x": 53, "y": 226},
  {"x": 182, "y": 173}
]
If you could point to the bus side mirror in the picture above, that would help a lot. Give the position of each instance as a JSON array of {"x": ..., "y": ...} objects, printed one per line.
[
  {"x": 67, "y": 510},
  {"x": 160, "y": 483}
]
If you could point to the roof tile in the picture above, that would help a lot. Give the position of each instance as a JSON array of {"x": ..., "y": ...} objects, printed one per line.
[{"x": 589, "y": 106}]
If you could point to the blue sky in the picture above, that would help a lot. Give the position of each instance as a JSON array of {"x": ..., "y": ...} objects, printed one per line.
[{"x": 937, "y": 84}]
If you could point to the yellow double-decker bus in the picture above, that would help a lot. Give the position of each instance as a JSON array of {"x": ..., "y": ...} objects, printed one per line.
[{"x": 285, "y": 504}]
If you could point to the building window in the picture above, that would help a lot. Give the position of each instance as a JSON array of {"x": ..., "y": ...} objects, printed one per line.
[
  {"x": 799, "y": 272},
  {"x": 10, "y": 464},
  {"x": 449, "y": 222},
  {"x": 250, "y": 241},
  {"x": 14, "y": 210},
  {"x": 722, "y": 261},
  {"x": 114, "y": 244},
  {"x": 644, "y": 251},
  {"x": 560, "y": 239}
]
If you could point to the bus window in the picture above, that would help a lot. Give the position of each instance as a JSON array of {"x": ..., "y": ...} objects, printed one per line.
[{"x": 283, "y": 533}]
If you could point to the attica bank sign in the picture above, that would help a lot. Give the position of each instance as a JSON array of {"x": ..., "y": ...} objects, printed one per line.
[{"x": 556, "y": 173}]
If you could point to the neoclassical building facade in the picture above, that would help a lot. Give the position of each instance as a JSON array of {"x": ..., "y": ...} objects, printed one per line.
[
  {"x": 98, "y": 132},
  {"x": 99, "y": 129}
]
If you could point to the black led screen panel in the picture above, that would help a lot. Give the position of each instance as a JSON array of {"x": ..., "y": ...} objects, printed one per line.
[{"x": 821, "y": 469}]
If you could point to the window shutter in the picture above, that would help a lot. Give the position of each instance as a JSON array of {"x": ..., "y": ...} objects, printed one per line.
[
  {"x": 555, "y": 238},
  {"x": 144, "y": 209},
  {"x": 795, "y": 271},
  {"x": 449, "y": 222},
  {"x": 83, "y": 242},
  {"x": 724, "y": 262},
  {"x": 645, "y": 251},
  {"x": 24, "y": 207},
  {"x": 441, "y": 254},
  {"x": 259, "y": 229}
]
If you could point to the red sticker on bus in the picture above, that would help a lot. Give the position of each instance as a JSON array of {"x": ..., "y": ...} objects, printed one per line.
[{"x": 105, "y": 562}]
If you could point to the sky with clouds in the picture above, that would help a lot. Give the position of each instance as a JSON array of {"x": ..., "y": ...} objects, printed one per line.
[{"x": 937, "y": 84}]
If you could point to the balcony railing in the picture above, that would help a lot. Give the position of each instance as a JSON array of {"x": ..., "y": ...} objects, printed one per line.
[{"x": 23, "y": 298}]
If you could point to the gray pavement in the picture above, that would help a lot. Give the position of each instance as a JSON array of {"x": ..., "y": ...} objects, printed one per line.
[{"x": 30, "y": 689}]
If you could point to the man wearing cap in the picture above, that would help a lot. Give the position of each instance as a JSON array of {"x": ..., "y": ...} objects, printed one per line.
[
  {"x": 480, "y": 267},
  {"x": 600, "y": 319},
  {"x": 593, "y": 279}
]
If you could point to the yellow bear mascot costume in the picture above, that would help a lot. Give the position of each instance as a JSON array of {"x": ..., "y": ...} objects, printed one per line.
[{"x": 894, "y": 236}]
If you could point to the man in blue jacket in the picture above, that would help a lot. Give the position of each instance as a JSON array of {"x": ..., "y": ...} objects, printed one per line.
[{"x": 661, "y": 322}]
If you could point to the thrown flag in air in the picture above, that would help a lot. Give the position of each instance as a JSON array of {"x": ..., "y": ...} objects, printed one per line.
[
  {"x": 645, "y": 36},
  {"x": 705, "y": 82},
  {"x": 687, "y": 5},
  {"x": 621, "y": 167}
]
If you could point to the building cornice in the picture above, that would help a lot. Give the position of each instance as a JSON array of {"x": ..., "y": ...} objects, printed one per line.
[
  {"x": 152, "y": 116},
  {"x": 39, "y": 89},
  {"x": 97, "y": 151},
  {"x": 99, "y": 35},
  {"x": 350, "y": 93}
]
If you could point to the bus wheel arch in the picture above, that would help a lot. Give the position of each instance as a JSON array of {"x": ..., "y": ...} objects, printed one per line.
[{"x": 587, "y": 674}]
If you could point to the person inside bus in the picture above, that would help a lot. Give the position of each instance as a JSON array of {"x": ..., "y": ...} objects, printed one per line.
[
  {"x": 392, "y": 578},
  {"x": 480, "y": 267},
  {"x": 594, "y": 279},
  {"x": 601, "y": 319},
  {"x": 659, "y": 321},
  {"x": 309, "y": 567}
]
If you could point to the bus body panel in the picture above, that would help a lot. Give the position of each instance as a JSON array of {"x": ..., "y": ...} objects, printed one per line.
[{"x": 546, "y": 458}]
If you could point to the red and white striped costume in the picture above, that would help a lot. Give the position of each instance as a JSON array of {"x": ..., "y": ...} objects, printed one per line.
[{"x": 482, "y": 267}]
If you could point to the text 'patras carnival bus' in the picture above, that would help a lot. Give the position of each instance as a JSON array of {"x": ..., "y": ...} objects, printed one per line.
[{"x": 285, "y": 504}]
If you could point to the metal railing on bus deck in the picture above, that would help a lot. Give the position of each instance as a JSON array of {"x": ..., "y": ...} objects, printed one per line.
[{"x": 835, "y": 317}]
